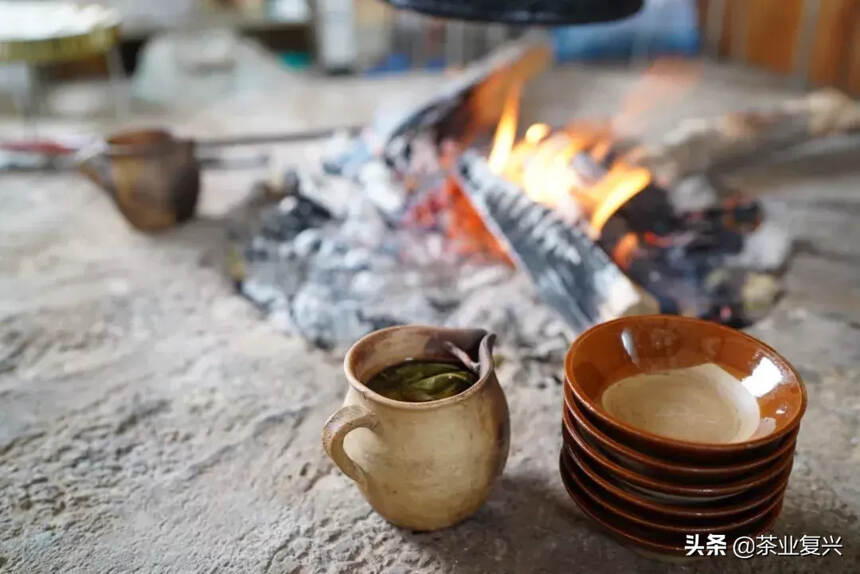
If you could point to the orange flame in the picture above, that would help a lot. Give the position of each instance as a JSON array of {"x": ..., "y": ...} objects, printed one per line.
[
  {"x": 506, "y": 131},
  {"x": 542, "y": 163},
  {"x": 614, "y": 190}
]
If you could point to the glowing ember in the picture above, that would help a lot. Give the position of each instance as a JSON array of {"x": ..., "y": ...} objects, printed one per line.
[
  {"x": 625, "y": 249},
  {"x": 543, "y": 163}
]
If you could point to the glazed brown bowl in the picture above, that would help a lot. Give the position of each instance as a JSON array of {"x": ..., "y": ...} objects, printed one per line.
[
  {"x": 673, "y": 470},
  {"x": 654, "y": 344},
  {"x": 661, "y": 524},
  {"x": 646, "y": 538},
  {"x": 705, "y": 510},
  {"x": 663, "y": 488}
]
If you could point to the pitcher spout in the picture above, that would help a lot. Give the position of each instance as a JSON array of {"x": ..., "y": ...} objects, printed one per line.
[
  {"x": 477, "y": 344},
  {"x": 95, "y": 165}
]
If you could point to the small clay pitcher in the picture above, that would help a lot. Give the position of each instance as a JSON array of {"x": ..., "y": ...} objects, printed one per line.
[
  {"x": 426, "y": 465},
  {"x": 153, "y": 177}
]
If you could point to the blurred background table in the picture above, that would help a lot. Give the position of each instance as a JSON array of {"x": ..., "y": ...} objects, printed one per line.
[{"x": 34, "y": 34}]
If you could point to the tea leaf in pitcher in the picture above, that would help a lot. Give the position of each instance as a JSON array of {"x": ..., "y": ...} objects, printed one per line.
[
  {"x": 420, "y": 381},
  {"x": 437, "y": 383},
  {"x": 412, "y": 371}
]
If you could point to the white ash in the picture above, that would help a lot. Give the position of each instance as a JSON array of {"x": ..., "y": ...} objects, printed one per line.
[
  {"x": 381, "y": 188},
  {"x": 477, "y": 276},
  {"x": 766, "y": 248},
  {"x": 324, "y": 317},
  {"x": 692, "y": 193},
  {"x": 333, "y": 273},
  {"x": 363, "y": 224},
  {"x": 511, "y": 308},
  {"x": 330, "y": 192}
]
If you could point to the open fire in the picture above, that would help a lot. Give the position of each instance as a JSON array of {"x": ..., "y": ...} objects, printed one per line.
[
  {"x": 544, "y": 163},
  {"x": 683, "y": 259},
  {"x": 417, "y": 220}
]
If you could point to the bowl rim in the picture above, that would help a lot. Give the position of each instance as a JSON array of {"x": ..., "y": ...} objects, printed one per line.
[
  {"x": 665, "y": 487},
  {"x": 650, "y": 460},
  {"x": 672, "y": 442},
  {"x": 698, "y": 511},
  {"x": 638, "y": 540},
  {"x": 628, "y": 515}
]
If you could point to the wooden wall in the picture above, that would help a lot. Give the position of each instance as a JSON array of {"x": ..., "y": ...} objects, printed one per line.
[{"x": 817, "y": 41}]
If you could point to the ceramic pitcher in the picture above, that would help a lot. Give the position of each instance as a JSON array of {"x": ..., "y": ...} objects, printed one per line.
[
  {"x": 427, "y": 465},
  {"x": 153, "y": 177}
]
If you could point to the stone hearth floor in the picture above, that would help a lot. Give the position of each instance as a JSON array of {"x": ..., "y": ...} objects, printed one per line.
[{"x": 151, "y": 422}]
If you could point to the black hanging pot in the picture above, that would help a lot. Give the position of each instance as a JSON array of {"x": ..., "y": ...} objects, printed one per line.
[{"x": 525, "y": 11}]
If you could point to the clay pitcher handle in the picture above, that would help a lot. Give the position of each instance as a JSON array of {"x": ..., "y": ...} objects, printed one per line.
[{"x": 335, "y": 430}]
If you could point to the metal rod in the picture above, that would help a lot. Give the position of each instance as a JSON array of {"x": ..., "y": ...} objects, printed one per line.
[{"x": 276, "y": 137}]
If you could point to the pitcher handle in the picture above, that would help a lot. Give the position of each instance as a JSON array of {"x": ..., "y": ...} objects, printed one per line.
[{"x": 341, "y": 423}]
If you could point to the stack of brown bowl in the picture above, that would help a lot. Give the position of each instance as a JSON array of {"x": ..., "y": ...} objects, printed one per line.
[{"x": 652, "y": 490}]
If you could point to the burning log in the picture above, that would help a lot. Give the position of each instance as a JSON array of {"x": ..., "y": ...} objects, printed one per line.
[
  {"x": 699, "y": 145},
  {"x": 571, "y": 272},
  {"x": 472, "y": 101},
  {"x": 463, "y": 108},
  {"x": 681, "y": 258}
]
